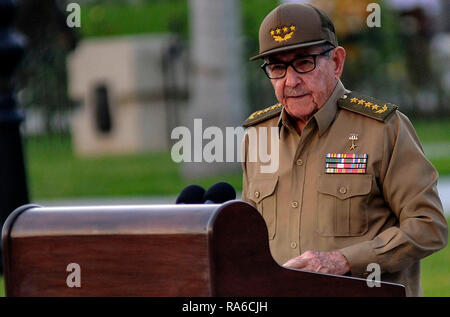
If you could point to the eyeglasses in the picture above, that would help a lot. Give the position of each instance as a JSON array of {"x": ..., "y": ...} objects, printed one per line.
[{"x": 303, "y": 64}]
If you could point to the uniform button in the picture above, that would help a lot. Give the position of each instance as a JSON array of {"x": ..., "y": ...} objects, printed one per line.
[
  {"x": 342, "y": 190},
  {"x": 294, "y": 204},
  {"x": 293, "y": 244},
  {"x": 299, "y": 162},
  {"x": 257, "y": 194}
]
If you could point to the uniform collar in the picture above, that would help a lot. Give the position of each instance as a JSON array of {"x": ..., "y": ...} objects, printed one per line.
[
  {"x": 284, "y": 120},
  {"x": 324, "y": 117}
]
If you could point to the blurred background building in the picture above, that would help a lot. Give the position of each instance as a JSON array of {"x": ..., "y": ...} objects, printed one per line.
[{"x": 123, "y": 92}]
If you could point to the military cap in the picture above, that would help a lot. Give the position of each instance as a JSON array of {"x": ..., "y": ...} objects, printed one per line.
[{"x": 294, "y": 25}]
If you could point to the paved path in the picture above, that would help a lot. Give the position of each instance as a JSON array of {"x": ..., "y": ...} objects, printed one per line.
[
  {"x": 443, "y": 188},
  {"x": 444, "y": 193},
  {"x": 437, "y": 150}
]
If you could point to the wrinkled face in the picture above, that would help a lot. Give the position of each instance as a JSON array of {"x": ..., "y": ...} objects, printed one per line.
[{"x": 303, "y": 94}]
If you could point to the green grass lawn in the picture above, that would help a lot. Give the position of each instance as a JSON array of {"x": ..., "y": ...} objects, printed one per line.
[
  {"x": 436, "y": 273},
  {"x": 55, "y": 172},
  {"x": 442, "y": 164},
  {"x": 114, "y": 18},
  {"x": 435, "y": 137},
  {"x": 433, "y": 131}
]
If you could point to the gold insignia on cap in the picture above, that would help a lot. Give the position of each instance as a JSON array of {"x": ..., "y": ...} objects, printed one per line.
[{"x": 283, "y": 31}]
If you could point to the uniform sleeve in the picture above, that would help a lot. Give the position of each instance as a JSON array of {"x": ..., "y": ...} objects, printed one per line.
[{"x": 409, "y": 185}]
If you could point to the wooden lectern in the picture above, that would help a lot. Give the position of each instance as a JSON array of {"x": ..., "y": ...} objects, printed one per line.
[{"x": 157, "y": 250}]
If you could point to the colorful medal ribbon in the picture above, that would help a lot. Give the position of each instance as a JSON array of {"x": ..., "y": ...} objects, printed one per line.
[{"x": 345, "y": 163}]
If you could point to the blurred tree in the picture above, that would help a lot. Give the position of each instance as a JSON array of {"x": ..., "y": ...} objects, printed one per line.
[
  {"x": 42, "y": 74},
  {"x": 259, "y": 90},
  {"x": 375, "y": 57},
  {"x": 393, "y": 61}
]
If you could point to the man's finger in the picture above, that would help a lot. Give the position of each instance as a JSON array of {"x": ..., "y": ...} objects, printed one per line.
[{"x": 296, "y": 263}]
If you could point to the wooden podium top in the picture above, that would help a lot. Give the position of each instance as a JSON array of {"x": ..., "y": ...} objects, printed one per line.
[{"x": 157, "y": 250}]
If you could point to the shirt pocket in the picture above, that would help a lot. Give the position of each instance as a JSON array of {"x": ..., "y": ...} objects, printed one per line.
[
  {"x": 342, "y": 204},
  {"x": 262, "y": 192}
]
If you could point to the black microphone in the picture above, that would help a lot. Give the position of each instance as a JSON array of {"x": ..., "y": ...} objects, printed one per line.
[
  {"x": 219, "y": 193},
  {"x": 191, "y": 194}
]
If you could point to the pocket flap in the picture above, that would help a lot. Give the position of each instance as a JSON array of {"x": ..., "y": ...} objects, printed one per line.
[
  {"x": 345, "y": 186},
  {"x": 261, "y": 188}
]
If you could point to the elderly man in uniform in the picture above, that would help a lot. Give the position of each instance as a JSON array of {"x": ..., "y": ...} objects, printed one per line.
[{"x": 353, "y": 185}]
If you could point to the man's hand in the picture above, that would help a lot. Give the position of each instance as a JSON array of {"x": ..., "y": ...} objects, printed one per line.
[{"x": 332, "y": 262}]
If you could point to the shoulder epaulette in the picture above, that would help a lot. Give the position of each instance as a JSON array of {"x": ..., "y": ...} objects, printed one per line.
[
  {"x": 263, "y": 115},
  {"x": 367, "y": 106}
]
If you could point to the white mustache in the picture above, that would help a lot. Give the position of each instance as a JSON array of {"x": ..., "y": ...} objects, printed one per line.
[{"x": 294, "y": 92}]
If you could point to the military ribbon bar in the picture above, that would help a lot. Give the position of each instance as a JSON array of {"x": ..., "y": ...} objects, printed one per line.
[
  {"x": 343, "y": 160},
  {"x": 345, "y": 170},
  {"x": 346, "y": 155},
  {"x": 338, "y": 165},
  {"x": 345, "y": 163}
]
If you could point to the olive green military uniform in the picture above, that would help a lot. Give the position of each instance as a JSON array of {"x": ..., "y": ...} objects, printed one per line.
[{"x": 386, "y": 210}]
